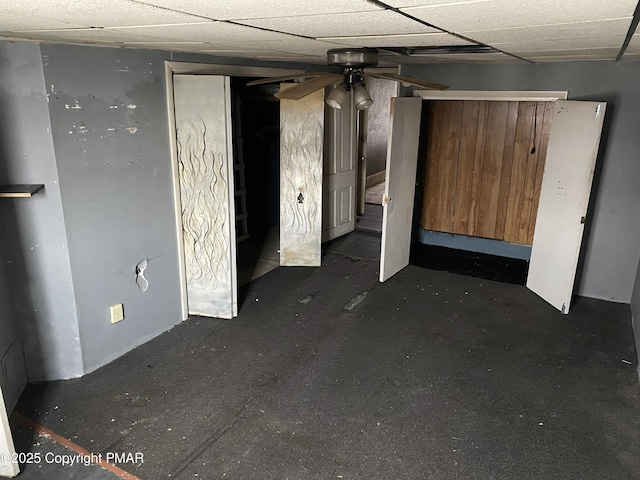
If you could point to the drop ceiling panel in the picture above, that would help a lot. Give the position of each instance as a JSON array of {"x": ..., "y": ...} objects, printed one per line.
[
  {"x": 423, "y": 3},
  {"x": 424, "y": 40},
  {"x": 574, "y": 33},
  {"x": 88, "y": 35},
  {"x": 379, "y": 22},
  {"x": 300, "y": 46},
  {"x": 634, "y": 45},
  {"x": 207, "y": 32},
  {"x": 17, "y": 23},
  {"x": 600, "y": 53},
  {"x": 95, "y": 13},
  {"x": 245, "y": 9},
  {"x": 499, "y": 14},
  {"x": 547, "y": 45},
  {"x": 497, "y": 57}
]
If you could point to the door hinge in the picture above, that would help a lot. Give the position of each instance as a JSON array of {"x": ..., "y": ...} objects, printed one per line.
[
  {"x": 583, "y": 219},
  {"x": 385, "y": 199}
]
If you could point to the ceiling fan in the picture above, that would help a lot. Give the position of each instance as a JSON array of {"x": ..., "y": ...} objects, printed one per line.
[{"x": 353, "y": 62}]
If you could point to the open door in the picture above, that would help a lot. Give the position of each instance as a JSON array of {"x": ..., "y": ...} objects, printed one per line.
[
  {"x": 402, "y": 161},
  {"x": 339, "y": 181},
  {"x": 8, "y": 468},
  {"x": 301, "y": 153},
  {"x": 564, "y": 198},
  {"x": 205, "y": 160}
]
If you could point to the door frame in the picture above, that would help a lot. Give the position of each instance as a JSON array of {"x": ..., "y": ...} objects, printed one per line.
[{"x": 170, "y": 69}]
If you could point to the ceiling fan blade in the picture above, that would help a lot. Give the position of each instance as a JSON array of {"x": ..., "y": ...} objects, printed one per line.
[
  {"x": 303, "y": 89},
  {"x": 285, "y": 77},
  {"x": 418, "y": 82}
]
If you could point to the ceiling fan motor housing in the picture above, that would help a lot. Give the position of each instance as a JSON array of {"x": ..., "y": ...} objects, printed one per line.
[{"x": 352, "y": 57}]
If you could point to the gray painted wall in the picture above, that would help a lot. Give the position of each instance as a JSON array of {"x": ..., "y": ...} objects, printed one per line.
[
  {"x": 635, "y": 313},
  {"x": 101, "y": 147},
  {"x": 381, "y": 92},
  {"x": 110, "y": 133},
  {"x": 611, "y": 246},
  {"x": 33, "y": 246}
]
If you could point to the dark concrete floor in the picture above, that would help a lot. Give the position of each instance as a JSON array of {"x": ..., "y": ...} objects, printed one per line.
[{"x": 327, "y": 373}]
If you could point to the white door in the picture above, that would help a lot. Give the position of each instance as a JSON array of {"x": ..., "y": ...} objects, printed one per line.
[
  {"x": 564, "y": 197},
  {"x": 301, "y": 153},
  {"x": 205, "y": 160},
  {"x": 402, "y": 161},
  {"x": 339, "y": 181},
  {"x": 7, "y": 450}
]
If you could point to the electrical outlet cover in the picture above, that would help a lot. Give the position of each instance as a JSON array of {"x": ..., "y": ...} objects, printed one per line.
[{"x": 117, "y": 313}]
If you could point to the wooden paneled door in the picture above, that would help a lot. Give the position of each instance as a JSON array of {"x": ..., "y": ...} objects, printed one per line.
[{"x": 483, "y": 167}]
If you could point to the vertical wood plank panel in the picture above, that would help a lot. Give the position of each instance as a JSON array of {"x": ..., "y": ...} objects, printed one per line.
[
  {"x": 466, "y": 164},
  {"x": 507, "y": 165},
  {"x": 453, "y": 125},
  {"x": 442, "y": 163},
  {"x": 493, "y": 151},
  {"x": 547, "y": 116},
  {"x": 533, "y": 162},
  {"x": 481, "y": 178},
  {"x": 521, "y": 150},
  {"x": 434, "y": 135},
  {"x": 474, "y": 204}
]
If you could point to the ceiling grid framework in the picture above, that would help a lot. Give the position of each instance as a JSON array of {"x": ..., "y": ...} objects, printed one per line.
[{"x": 290, "y": 30}]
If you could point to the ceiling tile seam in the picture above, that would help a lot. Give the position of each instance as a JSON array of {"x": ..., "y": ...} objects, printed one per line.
[
  {"x": 630, "y": 32},
  {"x": 462, "y": 37},
  {"x": 301, "y": 15},
  {"x": 231, "y": 20},
  {"x": 173, "y": 10},
  {"x": 370, "y": 37},
  {"x": 505, "y": 29}
]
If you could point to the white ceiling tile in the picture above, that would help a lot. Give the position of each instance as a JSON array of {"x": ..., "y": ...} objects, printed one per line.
[
  {"x": 545, "y": 45},
  {"x": 604, "y": 53},
  {"x": 245, "y": 9},
  {"x": 207, "y": 32},
  {"x": 634, "y": 45},
  {"x": 424, "y": 40},
  {"x": 461, "y": 58},
  {"x": 428, "y": 3},
  {"x": 87, "y": 35},
  {"x": 498, "y": 14},
  {"x": 302, "y": 46},
  {"x": 378, "y": 22},
  {"x": 17, "y": 23},
  {"x": 95, "y": 13},
  {"x": 577, "y": 32}
]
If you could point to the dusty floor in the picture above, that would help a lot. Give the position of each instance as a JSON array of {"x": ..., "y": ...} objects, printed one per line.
[{"x": 328, "y": 374}]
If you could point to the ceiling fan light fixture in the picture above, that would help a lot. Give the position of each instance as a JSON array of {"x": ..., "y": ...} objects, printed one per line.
[
  {"x": 336, "y": 97},
  {"x": 361, "y": 97}
]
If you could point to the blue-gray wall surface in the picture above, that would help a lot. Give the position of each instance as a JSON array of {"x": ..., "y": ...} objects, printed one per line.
[
  {"x": 635, "y": 314},
  {"x": 33, "y": 245},
  {"x": 111, "y": 138},
  {"x": 101, "y": 147},
  {"x": 611, "y": 246}
]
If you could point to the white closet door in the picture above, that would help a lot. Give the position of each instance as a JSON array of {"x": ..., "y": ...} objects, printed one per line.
[
  {"x": 301, "y": 154},
  {"x": 402, "y": 162},
  {"x": 564, "y": 198},
  {"x": 204, "y": 144}
]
